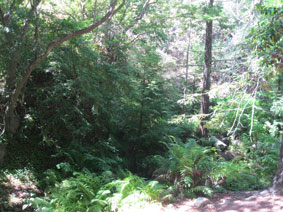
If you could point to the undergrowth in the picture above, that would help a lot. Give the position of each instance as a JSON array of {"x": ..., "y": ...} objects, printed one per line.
[
  {"x": 186, "y": 170},
  {"x": 85, "y": 191}
]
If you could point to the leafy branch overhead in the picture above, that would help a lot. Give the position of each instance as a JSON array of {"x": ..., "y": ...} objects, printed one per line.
[{"x": 113, "y": 9}]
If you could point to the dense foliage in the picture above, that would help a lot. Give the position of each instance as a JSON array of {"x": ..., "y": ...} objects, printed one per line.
[{"x": 110, "y": 119}]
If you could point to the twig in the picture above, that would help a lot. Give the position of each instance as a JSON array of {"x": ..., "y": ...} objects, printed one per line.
[
  {"x": 236, "y": 118},
  {"x": 239, "y": 120},
  {"x": 139, "y": 17},
  {"x": 95, "y": 11},
  {"x": 253, "y": 108}
]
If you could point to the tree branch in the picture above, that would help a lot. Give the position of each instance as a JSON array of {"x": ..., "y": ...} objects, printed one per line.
[
  {"x": 11, "y": 8},
  {"x": 112, "y": 11},
  {"x": 95, "y": 11},
  {"x": 36, "y": 31},
  {"x": 140, "y": 16},
  {"x": 253, "y": 108},
  {"x": 2, "y": 18}
]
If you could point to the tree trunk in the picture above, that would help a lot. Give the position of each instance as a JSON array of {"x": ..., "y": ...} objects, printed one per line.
[
  {"x": 279, "y": 83},
  {"x": 187, "y": 71},
  {"x": 12, "y": 121},
  {"x": 206, "y": 75},
  {"x": 277, "y": 185},
  {"x": 136, "y": 144}
]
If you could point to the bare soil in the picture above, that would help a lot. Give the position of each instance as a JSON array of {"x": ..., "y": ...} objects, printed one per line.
[{"x": 238, "y": 201}]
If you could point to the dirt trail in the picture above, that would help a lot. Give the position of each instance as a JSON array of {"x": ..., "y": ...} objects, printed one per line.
[
  {"x": 238, "y": 201},
  {"x": 243, "y": 201}
]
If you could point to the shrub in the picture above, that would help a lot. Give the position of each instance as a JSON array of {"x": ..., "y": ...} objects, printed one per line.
[
  {"x": 133, "y": 191},
  {"x": 186, "y": 168},
  {"x": 79, "y": 193}
]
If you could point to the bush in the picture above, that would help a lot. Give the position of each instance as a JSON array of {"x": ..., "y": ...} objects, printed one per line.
[
  {"x": 134, "y": 191},
  {"x": 86, "y": 191},
  {"x": 186, "y": 168},
  {"x": 83, "y": 192}
]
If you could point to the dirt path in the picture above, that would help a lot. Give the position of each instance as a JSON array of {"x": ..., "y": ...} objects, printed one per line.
[
  {"x": 249, "y": 201},
  {"x": 14, "y": 192}
]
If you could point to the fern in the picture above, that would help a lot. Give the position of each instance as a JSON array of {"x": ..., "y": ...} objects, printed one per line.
[
  {"x": 87, "y": 192},
  {"x": 83, "y": 192},
  {"x": 202, "y": 189},
  {"x": 186, "y": 167},
  {"x": 133, "y": 191},
  {"x": 78, "y": 156}
]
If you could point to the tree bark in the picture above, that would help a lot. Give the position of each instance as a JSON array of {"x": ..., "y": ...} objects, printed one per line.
[
  {"x": 10, "y": 110},
  {"x": 206, "y": 75},
  {"x": 187, "y": 70},
  {"x": 277, "y": 185}
]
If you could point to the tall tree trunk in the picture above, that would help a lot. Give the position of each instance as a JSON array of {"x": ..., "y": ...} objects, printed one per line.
[
  {"x": 277, "y": 185},
  {"x": 12, "y": 120},
  {"x": 187, "y": 71},
  {"x": 136, "y": 144},
  {"x": 279, "y": 82},
  {"x": 206, "y": 75}
]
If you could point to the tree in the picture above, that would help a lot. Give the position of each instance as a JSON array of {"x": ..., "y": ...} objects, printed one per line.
[
  {"x": 267, "y": 41},
  {"x": 8, "y": 21},
  {"x": 277, "y": 185},
  {"x": 206, "y": 75}
]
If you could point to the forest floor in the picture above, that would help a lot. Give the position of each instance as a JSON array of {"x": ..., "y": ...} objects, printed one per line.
[
  {"x": 15, "y": 192},
  {"x": 237, "y": 201}
]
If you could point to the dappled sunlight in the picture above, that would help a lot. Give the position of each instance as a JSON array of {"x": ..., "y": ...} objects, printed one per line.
[
  {"x": 16, "y": 190},
  {"x": 147, "y": 207},
  {"x": 225, "y": 202},
  {"x": 248, "y": 202},
  {"x": 232, "y": 202},
  {"x": 141, "y": 105}
]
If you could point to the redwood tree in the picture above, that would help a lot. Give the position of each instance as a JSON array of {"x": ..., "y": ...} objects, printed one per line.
[{"x": 206, "y": 75}]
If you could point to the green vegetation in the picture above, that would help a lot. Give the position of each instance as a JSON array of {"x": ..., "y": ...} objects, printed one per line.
[{"x": 112, "y": 105}]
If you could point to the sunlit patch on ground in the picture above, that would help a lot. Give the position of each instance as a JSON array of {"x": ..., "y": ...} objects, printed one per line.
[
  {"x": 149, "y": 207},
  {"x": 14, "y": 192},
  {"x": 239, "y": 201}
]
